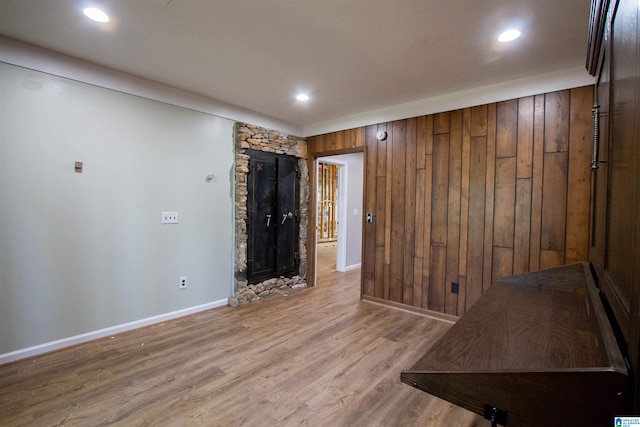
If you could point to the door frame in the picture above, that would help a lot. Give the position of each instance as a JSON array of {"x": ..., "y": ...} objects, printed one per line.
[
  {"x": 341, "y": 255},
  {"x": 312, "y": 257}
]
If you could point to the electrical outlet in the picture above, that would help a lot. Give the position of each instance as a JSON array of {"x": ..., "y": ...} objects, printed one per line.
[
  {"x": 169, "y": 217},
  {"x": 183, "y": 282},
  {"x": 455, "y": 287}
]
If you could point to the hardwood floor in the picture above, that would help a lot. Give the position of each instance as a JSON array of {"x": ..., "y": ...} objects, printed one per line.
[{"x": 317, "y": 357}]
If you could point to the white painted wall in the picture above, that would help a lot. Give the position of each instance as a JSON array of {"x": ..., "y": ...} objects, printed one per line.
[{"x": 84, "y": 252}]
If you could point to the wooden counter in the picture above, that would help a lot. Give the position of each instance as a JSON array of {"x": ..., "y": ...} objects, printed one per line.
[{"x": 537, "y": 346}]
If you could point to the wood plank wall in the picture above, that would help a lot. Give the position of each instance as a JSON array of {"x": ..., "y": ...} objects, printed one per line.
[{"x": 471, "y": 195}]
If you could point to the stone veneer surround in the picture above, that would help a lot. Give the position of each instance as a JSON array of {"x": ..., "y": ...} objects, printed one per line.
[{"x": 253, "y": 137}]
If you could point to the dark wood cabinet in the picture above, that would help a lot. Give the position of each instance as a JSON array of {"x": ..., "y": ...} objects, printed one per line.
[
  {"x": 272, "y": 216},
  {"x": 615, "y": 226}
]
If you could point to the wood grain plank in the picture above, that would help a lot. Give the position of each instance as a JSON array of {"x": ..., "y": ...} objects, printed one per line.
[
  {"x": 340, "y": 140},
  {"x": 417, "y": 282},
  {"x": 536, "y": 190},
  {"x": 386, "y": 274},
  {"x": 506, "y": 128},
  {"x": 505, "y": 194},
  {"x": 369, "y": 236},
  {"x": 441, "y": 123},
  {"x": 440, "y": 190},
  {"x": 331, "y": 141},
  {"x": 521, "y": 243},
  {"x": 429, "y": 136},
  {"x": 419, "y": 219},
  {"x": 502, "y": 262},
  {"x": 464, "y": 192},
  {"x": 379, "y": 278},
  {"x": 379, "y": 217},
  {"x": 421, "y": 142},
  {"x": 397, "y": 218},
  {"x": 409, "y": 209},
  {"x": 487, "y": 270},
  {"x": 477, "y": 189},
  {"x": 525, "y": 137},
  {"x": 426, "y": 254},
  {"x": 360, "y": 136},
  {"x": 579, "y": 180},
  {"x": 453, "y": 210},
  {"x": 557, "y": 105},
  {"x": 550, "y": 259},
  {"x": 387, "y": 209},
  {"x": 438, "y": 278},
  {"x": 554, "y": 201},
  {"x": 478, "y": 125},
  {"x": 462, "y": 295},
  {"x": 381, "y": 167}
]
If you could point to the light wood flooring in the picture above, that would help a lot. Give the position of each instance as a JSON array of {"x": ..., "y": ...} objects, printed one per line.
[{"x": 317, "y": 357}]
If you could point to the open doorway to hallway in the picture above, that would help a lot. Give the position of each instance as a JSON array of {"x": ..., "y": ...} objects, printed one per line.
[{"x": 339, "y": 201}]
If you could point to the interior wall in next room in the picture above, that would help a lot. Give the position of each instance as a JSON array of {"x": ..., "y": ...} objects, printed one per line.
[{"x": 471, "y": 195}]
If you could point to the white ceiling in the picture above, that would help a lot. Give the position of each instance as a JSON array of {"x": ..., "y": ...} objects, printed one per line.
[{"x": 351, "y": 56}]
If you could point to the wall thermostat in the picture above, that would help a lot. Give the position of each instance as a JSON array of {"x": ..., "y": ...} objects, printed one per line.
[{"x": 381, "y": 135}]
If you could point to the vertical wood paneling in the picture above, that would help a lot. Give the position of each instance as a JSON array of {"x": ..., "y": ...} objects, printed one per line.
[
  {"x": 387, "y": 208},
  {"x": 479, "y": 119},
  {"x": 464, "y": 202},
  {"x": 379, "y": 219},
  {"x": 502, "y": 262},
  {"x": 409, "y": 209},
  {"x": 398, "y": 201},
  {"x": 369, "y": 244},
  {"x": 554, "y": 201},
  {"x": 438, "y": 278},
  {"x": 525, "y": 137},
  {"x": 471, "y": 195},
  {"x": 521, "y": 242},
  {"x": 426, "y": 254},
  {"x": 453, "y": 211},
  {"x": 487, "y": 272},
  {"x": 556, "y": 127},
  {"x": 340, "y": 140},
  {"x": 505, "y": 202},
  {"x": 536, "y": 190},
  {"x": 441, "y": 123},
  {"x": 550, "y": 259},
  {"x": 331, "y": 141},
  {"x": 507, "y": 128},
  {"x": 361, "y": 136},
  {"x": 421, "y": 141},
  {"x": 579, "y": 186},
  {"x": 475, "y": 255},
  {"x": 440, "y": 194}
]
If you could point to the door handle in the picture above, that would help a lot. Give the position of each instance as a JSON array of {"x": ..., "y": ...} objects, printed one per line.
[
  {"x": 268, "y": 220},
  {"x": 287, "y": 215}
]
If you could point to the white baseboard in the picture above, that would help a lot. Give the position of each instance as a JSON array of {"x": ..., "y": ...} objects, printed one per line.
[
  {"x": 101, "y": 333},
  {"x": 352, "y": 267}
]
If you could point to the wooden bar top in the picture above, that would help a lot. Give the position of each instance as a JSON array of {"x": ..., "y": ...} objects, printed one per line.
[{"x": 537, "y": 345}]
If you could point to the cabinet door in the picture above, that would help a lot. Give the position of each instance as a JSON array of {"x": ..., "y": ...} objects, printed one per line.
[
  {"x": 261, "y": 219},
  {"x": 288, "y": 200},
  {"x": 272, "y": 216}
]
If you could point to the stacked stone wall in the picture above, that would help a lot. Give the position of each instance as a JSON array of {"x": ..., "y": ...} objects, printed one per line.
[{"x": 253, "y": 137}]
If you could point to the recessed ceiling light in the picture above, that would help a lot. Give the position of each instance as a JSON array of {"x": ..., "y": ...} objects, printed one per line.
[
  {"x": 509, "y": 35},
  {"x": 302, "y": 97},
  {"x": 95, "y": 14}
]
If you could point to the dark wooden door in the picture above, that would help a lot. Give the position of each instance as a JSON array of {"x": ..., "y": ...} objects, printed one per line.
[{"x": 272, "y": 216}]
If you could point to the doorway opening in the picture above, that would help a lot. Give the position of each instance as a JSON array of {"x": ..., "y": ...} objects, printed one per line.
[{"x": 339, "y": 191}]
